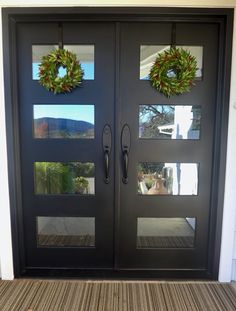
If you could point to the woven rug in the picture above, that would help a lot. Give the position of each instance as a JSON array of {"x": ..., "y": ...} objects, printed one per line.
[{"x": 27, "y": 295}]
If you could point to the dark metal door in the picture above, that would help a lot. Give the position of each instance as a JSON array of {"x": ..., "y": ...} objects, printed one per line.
[
  {"x": 165, "y": 202},
  {"x": 67, "y": 203},
  {"x": 164, "y": 150}
]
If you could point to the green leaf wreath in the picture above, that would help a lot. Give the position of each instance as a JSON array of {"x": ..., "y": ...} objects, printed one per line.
[
  {"x": 173, "y": 72},
  {"x": 48, "y": 71}
]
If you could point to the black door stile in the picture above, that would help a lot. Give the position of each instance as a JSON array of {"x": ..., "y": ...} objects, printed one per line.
[
  {"x": 118, "y": 208},
  {"x": 98, "y": 92},
  {"x": 199, "y": 151}
]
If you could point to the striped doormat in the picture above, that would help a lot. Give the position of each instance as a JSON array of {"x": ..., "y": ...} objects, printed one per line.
[{"x": 27, "y": 295}]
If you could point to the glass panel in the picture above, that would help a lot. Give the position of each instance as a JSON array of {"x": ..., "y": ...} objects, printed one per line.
[
  {"x": 63, "y": 121},
  {"x": 84, "y": 53},
  {"x": 169, "y": 122},
  {"x": 148, "y": 54},
  {"x": 167, "y": 178},
  {"x": 38, "y": 51},
  {"x": 66, "y": 231},
  {"x": 165, "y": 232},
  {"x": 64, "y": 178}
]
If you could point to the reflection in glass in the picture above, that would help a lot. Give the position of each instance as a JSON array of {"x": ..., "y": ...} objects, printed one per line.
[
  {"x": 64, "y": 121},
  {"x": 157, "y": 178},
  {"x": 148, "y": 54},
  {"x": 169, "y": 122},
  {"x": 64, "y": 178},
  {"x": 84, "y": 53},
  {"x": 38, "y": 51},
  {"x": 66, "y": 231},
  {"x": 165, "y": 232}
]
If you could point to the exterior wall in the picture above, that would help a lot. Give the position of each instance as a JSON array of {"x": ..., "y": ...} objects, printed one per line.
[
  {"x": 163, "y": 3},
  {"x": 5, "y": 227},
  {"x": 228, "y": 249}
]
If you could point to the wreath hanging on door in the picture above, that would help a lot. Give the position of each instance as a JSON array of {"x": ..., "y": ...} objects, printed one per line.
[
  {"x": 49, "y": 71},
  {"x": 173, "y": 71}
]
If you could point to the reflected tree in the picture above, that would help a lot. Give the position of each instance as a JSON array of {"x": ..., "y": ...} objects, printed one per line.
[
  {"x": 62, "y": 178},
  {"x": 153, "y": 116},
  {"x": 151, "y": 168}
]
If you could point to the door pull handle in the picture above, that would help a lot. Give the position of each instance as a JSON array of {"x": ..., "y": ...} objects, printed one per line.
[
  {"x": 106, "y": 163},
  {"x": 125, "y": 147},
  {"x": 106, "y": 143},
  {"x": 126, "y": 161}
]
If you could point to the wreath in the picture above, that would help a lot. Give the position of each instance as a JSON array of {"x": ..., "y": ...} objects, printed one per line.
[
  {"x": 49, "y": 71},
  {"x": 173, "y": 71}
]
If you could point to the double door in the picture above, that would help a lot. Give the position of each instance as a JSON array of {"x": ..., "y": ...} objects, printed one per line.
[{"x": 116, "y": 176}]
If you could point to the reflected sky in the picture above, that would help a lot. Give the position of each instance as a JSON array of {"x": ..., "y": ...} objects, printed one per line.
[
  {"x": 72, "y": 112},
  {"x": 87, "y": 67},
  {"x": 84, "y": 53}
]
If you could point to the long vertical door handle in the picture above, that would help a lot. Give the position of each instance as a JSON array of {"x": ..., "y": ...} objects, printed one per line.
[
  {"x": 106, "y": 144},
  {"x": 106, "y": 163},
  {"x": 125, "y": 147},
  {"x": 126, "y": 161}
]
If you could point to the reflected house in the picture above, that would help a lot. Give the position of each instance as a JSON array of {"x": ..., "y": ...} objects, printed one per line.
[
  {"x": 184, "y": 175},
  {"x": 184, "y": 178},
  {"x": 170, "y": 178},
  {"x": 166, "y": 129},
  {"x": 185, "y": 122},
  {"x": 169, "y": 121}
]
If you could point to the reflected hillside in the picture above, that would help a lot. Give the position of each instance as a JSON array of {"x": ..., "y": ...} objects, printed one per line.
[{"x": 62, "y": 128}]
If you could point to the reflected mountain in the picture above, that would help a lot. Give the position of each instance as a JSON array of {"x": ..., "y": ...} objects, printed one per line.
[{"x": 62, "y": 128}]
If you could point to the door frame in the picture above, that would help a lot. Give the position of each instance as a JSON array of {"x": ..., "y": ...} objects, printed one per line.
[{"x": 224, "y": 19}]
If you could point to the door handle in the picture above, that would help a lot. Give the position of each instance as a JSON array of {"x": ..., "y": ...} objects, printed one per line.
[
  {"x": 125, "y": 147},
  {"x": 126, "y": 161},
  {"x": 106, "y": 163},
  {"x": 106, "y": 143}
]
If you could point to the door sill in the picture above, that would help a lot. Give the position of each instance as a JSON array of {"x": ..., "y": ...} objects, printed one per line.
[{"x": 111, "y": 274}]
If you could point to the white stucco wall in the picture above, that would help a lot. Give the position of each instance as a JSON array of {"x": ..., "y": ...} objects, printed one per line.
[
  {"x": 163, "y": 3},
  {"x": 228, "y": 250},
  {"x": 228, "y": 247},
  {"x": 6, "y": 263}
]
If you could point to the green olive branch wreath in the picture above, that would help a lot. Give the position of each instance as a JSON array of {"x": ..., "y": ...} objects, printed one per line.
[
  {"x": 48, "y": 71},
  {"x": 173, "y": 71}
]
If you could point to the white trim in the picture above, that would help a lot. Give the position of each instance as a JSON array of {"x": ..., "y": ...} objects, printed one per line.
[
  {"x": 233, "y": 278},
  {"x": 229, "y": 215},
  {"x": 120, "y": 3},
  {"x": 6, "y": 262}
]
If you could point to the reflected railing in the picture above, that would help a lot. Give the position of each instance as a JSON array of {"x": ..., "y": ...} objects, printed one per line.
[{"x": 169, "y": 122}]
